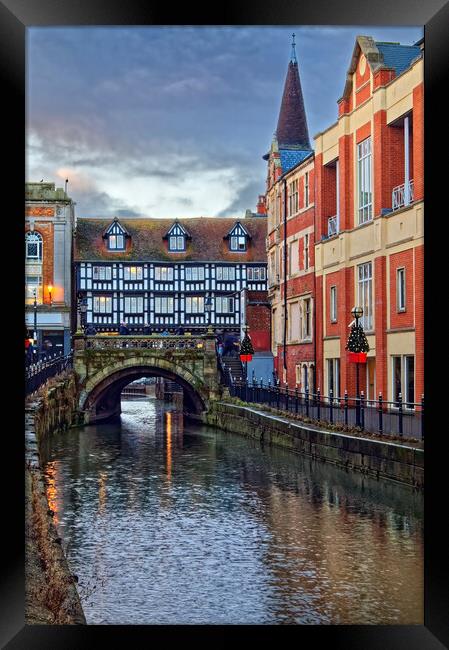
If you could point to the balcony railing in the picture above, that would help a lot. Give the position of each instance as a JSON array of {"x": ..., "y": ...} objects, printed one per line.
[
  {"x": 398, "y": 196},
  {"x": 332, "y": 226}
]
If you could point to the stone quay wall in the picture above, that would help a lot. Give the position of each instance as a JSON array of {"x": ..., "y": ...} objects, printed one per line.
[
  {"x": 398, "y": 462},
  {"x": 51, "y": 596}
]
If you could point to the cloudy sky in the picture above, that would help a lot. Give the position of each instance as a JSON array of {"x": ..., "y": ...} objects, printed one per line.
[{"x": 173, "y": 122}]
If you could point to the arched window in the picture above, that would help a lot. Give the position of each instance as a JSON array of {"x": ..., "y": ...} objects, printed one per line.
[{"x": 33, "y": 246}]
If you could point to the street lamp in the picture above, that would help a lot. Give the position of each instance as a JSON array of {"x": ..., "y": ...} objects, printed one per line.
[
  {"x": 83, "y": 309},
  {"x": 35, "y": 322},
  {"x": 50, "y": 289},
  {"x": 358, "y": 347}
]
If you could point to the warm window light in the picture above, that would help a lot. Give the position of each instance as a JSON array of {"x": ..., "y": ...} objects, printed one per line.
[{"x": 50, "y": 289}]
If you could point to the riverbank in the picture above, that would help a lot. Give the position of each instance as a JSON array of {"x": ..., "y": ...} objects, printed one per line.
[
  {"x": 51, "y": 596},
  {"x": 398, "y": 462}
]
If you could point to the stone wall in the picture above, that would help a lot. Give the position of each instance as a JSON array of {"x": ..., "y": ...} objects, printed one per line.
[
  {"x": 397, "y": 462},
  {"x": 51, "y": 594}
]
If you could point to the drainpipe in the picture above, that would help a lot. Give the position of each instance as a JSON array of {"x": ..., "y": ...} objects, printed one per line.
[
  {"x": 406, "y": 161},
  {"x": 285, "y": 275},
  {"x": 337, "y": 181}
]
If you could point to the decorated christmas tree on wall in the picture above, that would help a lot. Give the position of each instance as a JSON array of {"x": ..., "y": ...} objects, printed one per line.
[
  {"x": 357, "y": 344},
  {"x": 246, "y": 349}
]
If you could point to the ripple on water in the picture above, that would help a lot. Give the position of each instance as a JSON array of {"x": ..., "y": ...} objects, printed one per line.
[{"x": 197, "y": 526}]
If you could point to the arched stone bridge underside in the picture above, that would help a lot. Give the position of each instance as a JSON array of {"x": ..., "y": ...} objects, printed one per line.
[{"x": 105, "y": 365}]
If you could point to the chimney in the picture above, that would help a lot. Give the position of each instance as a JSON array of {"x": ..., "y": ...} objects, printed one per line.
[{"x": 261, "y": 205}]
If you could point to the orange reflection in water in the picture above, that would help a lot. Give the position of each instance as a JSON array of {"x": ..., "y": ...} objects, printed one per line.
[
  {"x": 52, "y": 496},
  {"x": 169, "y": 442},
  {"x": 102, "y": 492}
]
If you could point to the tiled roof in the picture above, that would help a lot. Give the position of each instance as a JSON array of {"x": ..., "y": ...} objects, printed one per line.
[
  {"x": 292, "y": 157},
  {"x": 146, "y": 241},
  {"x": 292, "y": 122},
  {"x": 398, "y": 56}
]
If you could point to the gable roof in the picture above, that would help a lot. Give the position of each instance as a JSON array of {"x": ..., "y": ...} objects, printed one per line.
[
  {"x": 380, "y": 54},
  {"x": 147, "y": 244},
  {"x": 180, "y": 227}
]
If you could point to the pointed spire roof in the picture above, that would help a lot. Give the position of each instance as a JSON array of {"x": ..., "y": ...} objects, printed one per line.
[{"x": 292, "y": 129}]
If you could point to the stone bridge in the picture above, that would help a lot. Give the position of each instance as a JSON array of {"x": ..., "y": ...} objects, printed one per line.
[{"x": 104, "y": 365}]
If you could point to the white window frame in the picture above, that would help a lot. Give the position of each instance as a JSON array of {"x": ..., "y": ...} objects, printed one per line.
[
  {"x": 224, "y": 305},
  {"x": 306, "y": 190},
  {"x": 101, "y": 273},
  {"x": 133, "y": 273},
  {"x": 364, "y": 181},
  {"x": 164, "y": 305},
  {"x": 365, "y": 294},
  {"x": 31, "y": 287},
  {"x": 116, "y": 242},
  {"x": 194, "y": 273},
  {"x": 333, "y": 372},
  {"x": 401, "y": 295},
  {"x": 102, "y": 304},
  {"x": 405, "y": 370},
  {"x": 333, "y": 304},
  {"x": 306, "y": 251},
  {"x": 163, "y": 273},
  {"x": 133, "y": 304},
  {"x": 306, "y": 336},
  {"x": 225, "y": 273},
  {"x": 194, "y": 304},
  {"x": 33, "y": 238}
]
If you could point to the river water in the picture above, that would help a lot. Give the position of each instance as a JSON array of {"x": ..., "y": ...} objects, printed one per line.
[{"x": 165, "y": 524}]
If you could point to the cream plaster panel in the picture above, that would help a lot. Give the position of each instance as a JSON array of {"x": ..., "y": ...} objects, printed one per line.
[
  {"x": 372, "y": 345},
  {"x": 379, "y": 100},
  {"x": 403, "y": 85},
  {"x": 331, "y": 349},
  {"x": 330, "y": 154},
  {"x": 318, "y": 258},
  {"x": 401, "y": 107},
  {"x": 331, "y": 252},
  {"x": 404, "y": 225},
  {"x": 400, "y": 343},
  {"x": 361, "y": 241}
]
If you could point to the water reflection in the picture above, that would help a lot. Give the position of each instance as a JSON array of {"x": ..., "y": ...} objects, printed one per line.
[{"x": 191, "y": 525}]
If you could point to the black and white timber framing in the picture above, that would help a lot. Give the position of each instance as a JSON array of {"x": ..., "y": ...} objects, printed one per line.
[{"x": 166, "y": 295}]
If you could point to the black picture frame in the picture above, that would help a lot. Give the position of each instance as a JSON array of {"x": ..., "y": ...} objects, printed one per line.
[{"x": 15, "y": 17}]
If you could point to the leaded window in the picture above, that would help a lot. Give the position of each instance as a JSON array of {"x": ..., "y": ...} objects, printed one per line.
[{"x": 33, "y": 246}]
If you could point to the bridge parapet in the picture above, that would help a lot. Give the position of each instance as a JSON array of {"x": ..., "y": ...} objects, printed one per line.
[{"x": 104, "y": 364}]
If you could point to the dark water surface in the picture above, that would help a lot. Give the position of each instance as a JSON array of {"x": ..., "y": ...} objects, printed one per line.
[{"x": 170, "y": 525}]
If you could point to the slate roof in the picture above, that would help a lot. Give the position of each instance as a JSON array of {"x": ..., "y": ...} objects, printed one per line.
[
  {"x": 292, "y": 157},
  {"x": 292, "y": 122},
  {"x": 146, "y": 241},
  {"x": 398, "y": 56}
]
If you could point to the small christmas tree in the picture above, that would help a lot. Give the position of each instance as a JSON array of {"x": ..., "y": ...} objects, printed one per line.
[
  {"x": 246, "y": 347},
  {"x": 357, "y": 341}
]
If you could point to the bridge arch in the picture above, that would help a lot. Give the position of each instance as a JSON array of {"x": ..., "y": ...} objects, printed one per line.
[{"x": 100, "y": 396}]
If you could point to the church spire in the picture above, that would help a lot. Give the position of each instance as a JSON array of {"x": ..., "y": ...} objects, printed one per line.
[
  {"x": 293, "y": 54},
  {"x": 292, "y": 129}
]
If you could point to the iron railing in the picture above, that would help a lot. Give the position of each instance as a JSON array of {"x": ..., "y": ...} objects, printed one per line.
[
  {"x": 398, "y": 195},
  {"x": 36, "y": 374},
  {"x": 399, "y": 418}
]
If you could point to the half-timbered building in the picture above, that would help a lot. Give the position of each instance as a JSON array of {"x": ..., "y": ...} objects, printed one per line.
[{"x": 167, "y": 272}]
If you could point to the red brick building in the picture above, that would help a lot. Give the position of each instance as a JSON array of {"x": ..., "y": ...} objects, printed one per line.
[
  {"x": 365, "y": 178},
  {"x": 291, "y": 237}
]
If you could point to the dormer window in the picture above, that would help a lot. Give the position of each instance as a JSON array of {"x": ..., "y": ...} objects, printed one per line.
[
  {"x": 115, "y": 236},
  {"x": 177, "y": 236},
  {"x": 238, "y": 238}
]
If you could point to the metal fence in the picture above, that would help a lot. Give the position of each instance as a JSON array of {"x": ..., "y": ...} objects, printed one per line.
[
  {"x": 403, "y": 419},
  {"x": 36, "y": 374}
]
